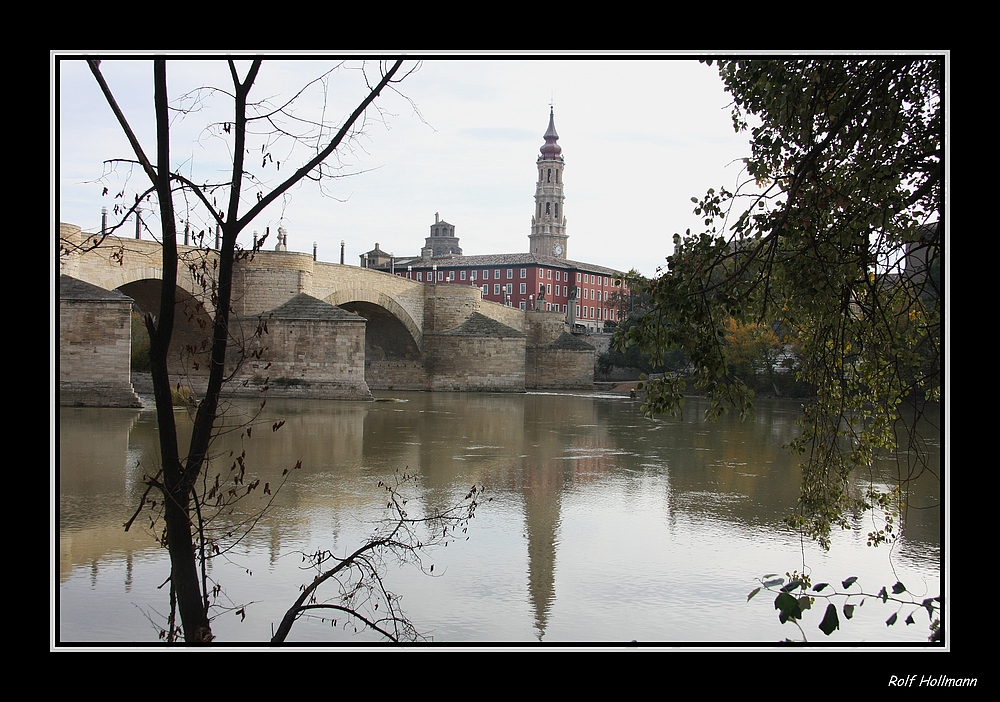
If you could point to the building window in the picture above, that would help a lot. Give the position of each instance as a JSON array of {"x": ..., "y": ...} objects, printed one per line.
[
  {"x": 451, "y": 275},
  {"x": 523, "y": 305},
  {"x": 463, "y": 275},
  {"x": 420, "y": 276},
  {"x": 510, "y": 273},
  {"x": 524, "y": 288},
  {"x": 548, "y": 208},
  {"x": 565, "y": 291},
  {"x": 496, "y": 287},
  {"x": 548, "y": 289},
  {"x": 496, "y": 274},
  {"x": 549, "y": 275},
  {"x": 524, "y": 272},
  {"x": 472, "y": 275},
  {"x": 486, "y": 290}
]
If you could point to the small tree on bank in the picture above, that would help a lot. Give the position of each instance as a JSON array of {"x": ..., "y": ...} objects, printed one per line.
[{"x": 223, "y": 204}]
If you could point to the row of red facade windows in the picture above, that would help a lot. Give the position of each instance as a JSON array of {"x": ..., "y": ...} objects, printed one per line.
[{"x": 590, "y": 287}]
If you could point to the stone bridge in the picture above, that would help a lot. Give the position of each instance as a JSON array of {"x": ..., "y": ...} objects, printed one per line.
[{"x": 331, "y": 330}]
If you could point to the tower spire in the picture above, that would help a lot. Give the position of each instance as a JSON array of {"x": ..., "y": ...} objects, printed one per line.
[
  {"x": 550, "y": 149},
  {"x": 548, "y": 224}
]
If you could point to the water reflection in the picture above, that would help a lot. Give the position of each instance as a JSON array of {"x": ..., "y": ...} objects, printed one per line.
[{"x": 606, "y": 525}]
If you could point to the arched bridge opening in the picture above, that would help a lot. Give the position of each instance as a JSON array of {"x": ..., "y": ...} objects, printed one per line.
[
  {"x": 392, "y": 358},
  {"x": 190, "y": 343}
]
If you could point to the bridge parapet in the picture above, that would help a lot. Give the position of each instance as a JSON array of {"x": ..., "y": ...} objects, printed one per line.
[{"x": 118, "y": 261}]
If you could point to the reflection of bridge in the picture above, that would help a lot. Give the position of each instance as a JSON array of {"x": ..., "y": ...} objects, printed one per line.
[{"x": 414, "y": 335}]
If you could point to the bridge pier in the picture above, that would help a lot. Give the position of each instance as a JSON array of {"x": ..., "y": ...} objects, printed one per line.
[
  {"x": 303, "y": 348},
  {"x": 95, "y": 346}
]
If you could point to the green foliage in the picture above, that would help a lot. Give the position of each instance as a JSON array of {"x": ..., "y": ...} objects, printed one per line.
[
  {"x": 630, "y": 298},
  {"x": 285, "y": 382},
  {"x": 844, "y": 184},
  {"x": 796, "y": 595},
  {"x": 140, "y": 344},
  {"x": 632, "y": 357},
  {"x": 183, "y": 396}
]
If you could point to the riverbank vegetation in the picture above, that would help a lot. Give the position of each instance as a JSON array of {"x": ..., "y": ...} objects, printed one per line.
[{"x": 140, "y": 345}]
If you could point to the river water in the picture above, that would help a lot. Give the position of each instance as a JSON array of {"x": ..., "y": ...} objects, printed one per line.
[{"x": 601, "y": 526}]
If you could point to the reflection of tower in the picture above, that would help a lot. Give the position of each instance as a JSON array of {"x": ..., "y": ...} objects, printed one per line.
[
  {"x": 548, "y": 224},
  {"x": 542, "y": 491}
]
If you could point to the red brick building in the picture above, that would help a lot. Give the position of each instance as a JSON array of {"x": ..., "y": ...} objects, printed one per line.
[{"x": 543, "y": 279}]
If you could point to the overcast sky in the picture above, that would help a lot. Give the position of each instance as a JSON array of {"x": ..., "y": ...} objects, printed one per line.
[{"x": 640, "y": 136}]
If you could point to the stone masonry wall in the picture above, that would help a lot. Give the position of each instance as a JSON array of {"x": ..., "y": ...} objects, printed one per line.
[
  {"x": 95, "y": 348},
  {"x": 270, "y": 280},
  {"x": 308, "y": 358},
  {"x": 475, "y": 363},
  {"x": 396, "y": 374},
  {"x": 555, "y": 368},
  {"x": 553, "y": 358}
]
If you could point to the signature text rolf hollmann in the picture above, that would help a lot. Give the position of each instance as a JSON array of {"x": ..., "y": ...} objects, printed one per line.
[{"x": 930, "y": 681}]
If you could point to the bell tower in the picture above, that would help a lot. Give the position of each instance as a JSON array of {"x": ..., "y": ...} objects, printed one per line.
[{"x": 548, "y": 224}]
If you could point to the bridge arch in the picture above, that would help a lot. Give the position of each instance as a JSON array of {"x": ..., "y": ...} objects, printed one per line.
[
  {"x": 190, "y": 343},
  {"x": 357, "y": 298}
]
